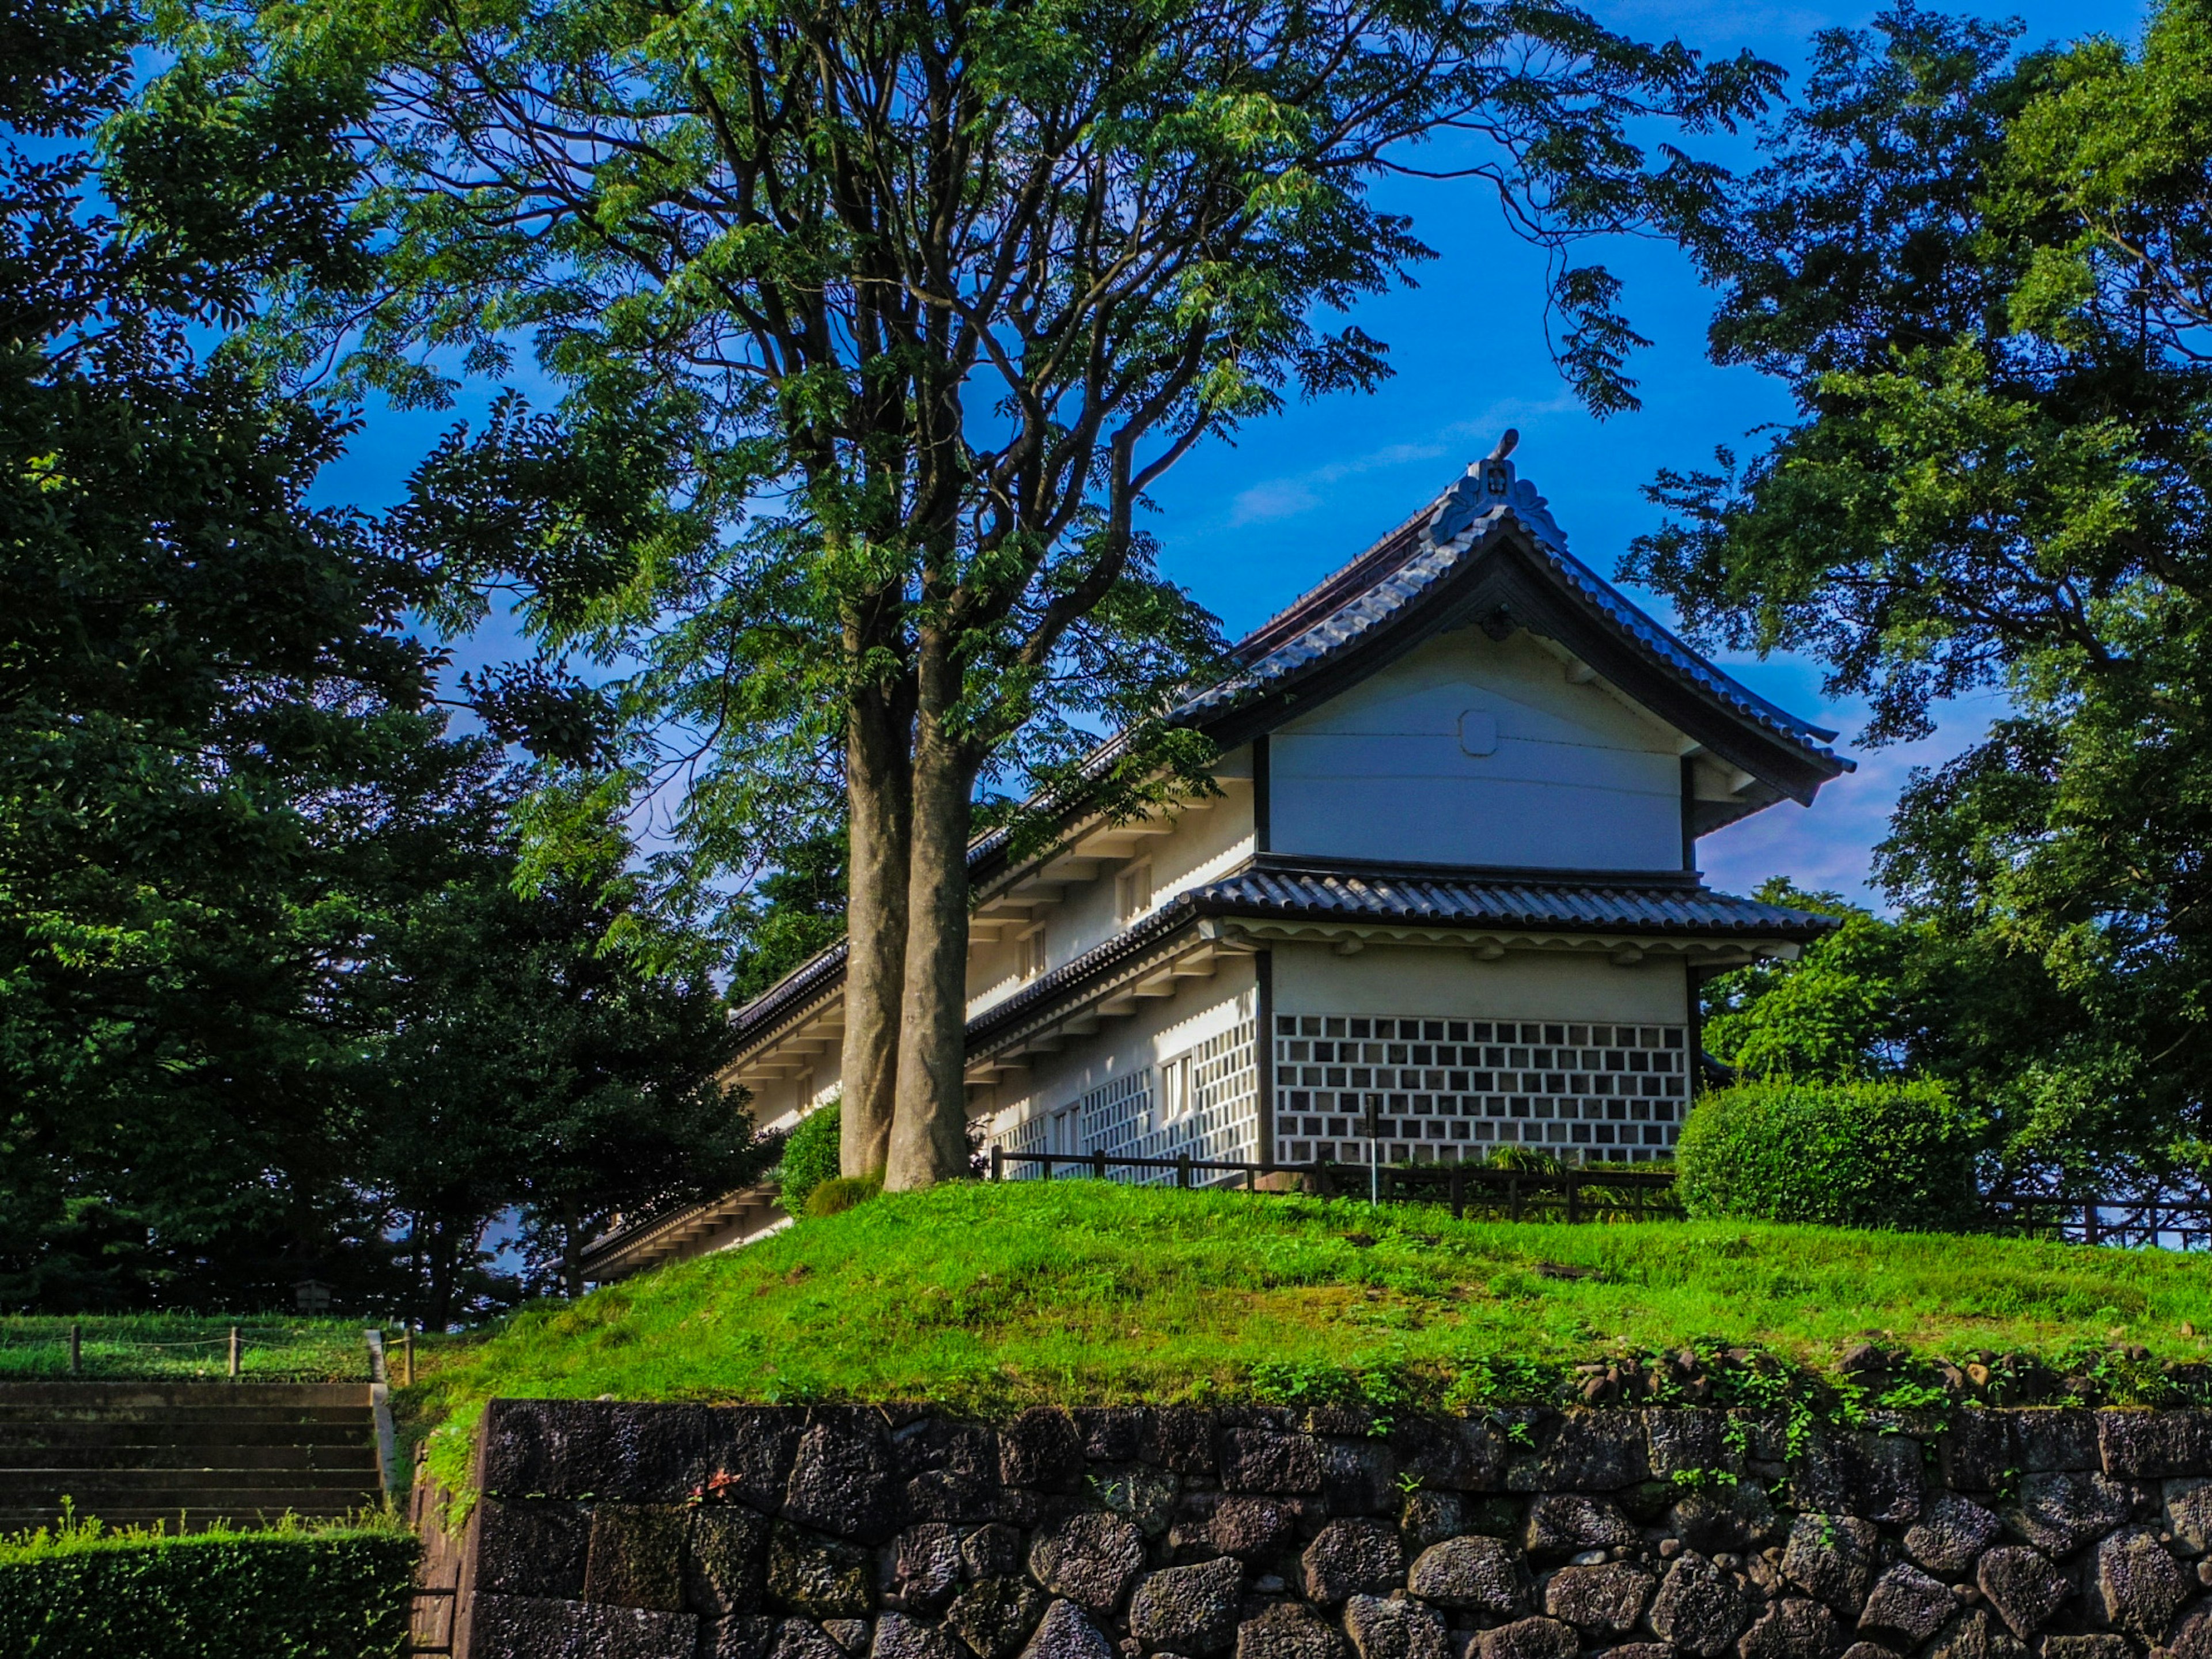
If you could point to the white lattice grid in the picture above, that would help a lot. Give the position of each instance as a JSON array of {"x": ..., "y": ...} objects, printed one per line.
[
  {"x": 1447, "y": 1090},
  {"x": 1121, "y": 1117}
]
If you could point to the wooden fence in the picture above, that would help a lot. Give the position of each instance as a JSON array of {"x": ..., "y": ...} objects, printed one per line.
[{"x": 2174, "y": 1221}]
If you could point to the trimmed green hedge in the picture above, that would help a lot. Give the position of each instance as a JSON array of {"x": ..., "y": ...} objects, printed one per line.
[
  {"x": 1894, "y": 1155},
  {"x": 283, "y": 1595},
  {"x": 840, "y": 1192},
  {"x": 809, "y": 1157}
]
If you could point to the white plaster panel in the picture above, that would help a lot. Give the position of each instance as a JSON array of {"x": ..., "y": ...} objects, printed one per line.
[
  {"x": 1573, "y": 778},
  {"x": 1429, "y": 980}
]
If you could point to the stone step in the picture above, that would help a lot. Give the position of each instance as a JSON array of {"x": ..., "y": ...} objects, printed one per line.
[
  {"x": 110, "y": 1396},
  {"x": 273, "y": 1416},
  {"x": 193, "y": 1518},
  {"x": 18, "y": 1441},
  {"x": 356, "y": 1452}
]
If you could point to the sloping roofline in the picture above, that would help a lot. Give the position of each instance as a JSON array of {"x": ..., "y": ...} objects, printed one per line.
[{"x": 1487, "y": 552}]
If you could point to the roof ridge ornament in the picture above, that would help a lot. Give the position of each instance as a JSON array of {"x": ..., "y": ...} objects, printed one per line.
[{"x": 1492, "y": 486}]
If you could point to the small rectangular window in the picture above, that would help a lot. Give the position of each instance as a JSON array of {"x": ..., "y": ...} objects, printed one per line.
[
  {"x": 1133, "y": 891},
  {"x": 1033, "y": 952}
]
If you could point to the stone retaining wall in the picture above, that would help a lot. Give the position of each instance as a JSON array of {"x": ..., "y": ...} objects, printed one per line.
[{"x": 680, "y": 1532}]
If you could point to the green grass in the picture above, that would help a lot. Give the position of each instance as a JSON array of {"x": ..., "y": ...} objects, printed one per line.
[
  {"x": 180, "y": 1346},
  {"x": 986, "y": 1297}
]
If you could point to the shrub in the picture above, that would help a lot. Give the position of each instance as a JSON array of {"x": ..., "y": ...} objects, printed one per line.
[
  {"x": 809, "y": 1157},
  {"x": 286, "y": 1592},
  {"x": 840, "y": 1192},
  {"x": 1892, "y": 1154}
]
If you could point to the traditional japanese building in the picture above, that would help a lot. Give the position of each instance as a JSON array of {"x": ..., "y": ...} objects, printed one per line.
[{"x": 1447, "y": 892}]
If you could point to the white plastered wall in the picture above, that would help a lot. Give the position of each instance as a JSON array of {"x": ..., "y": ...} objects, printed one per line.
[
  {"x": 1574, "y": 776},
  {"x": 1440, "y": 981}
]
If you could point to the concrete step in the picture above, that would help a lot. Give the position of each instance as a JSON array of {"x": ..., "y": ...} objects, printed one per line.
[
  {"x": 110, "y": 1396},
  {"x": 356, "y": 1452},
  {"x": 191, "y": 1520},
  {"x": 154, "y": 1432}
]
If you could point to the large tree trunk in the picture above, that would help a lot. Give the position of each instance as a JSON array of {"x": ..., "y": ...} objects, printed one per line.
[
  {"x": 877, "y": 790},
  {"x": 929, "y": 1132}
]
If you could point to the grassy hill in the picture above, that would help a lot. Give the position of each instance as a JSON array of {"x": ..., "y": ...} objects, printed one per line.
[{"x": 985, "y": 1298}]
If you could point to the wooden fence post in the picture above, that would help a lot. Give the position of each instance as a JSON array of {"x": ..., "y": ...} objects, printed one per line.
[
  {"x": 407, "y": 1356},
  {"x": 1098, "y": 1162},
  {"x": 233, "y": 1353},
  {"x": 998, "y": 1163},
  {"x": 1574, "y": 1194},
  {"x": 1459, "y": 1192},
  {"x": 76, "y": 1348},
  {"x": 1182, "y": 1170}
]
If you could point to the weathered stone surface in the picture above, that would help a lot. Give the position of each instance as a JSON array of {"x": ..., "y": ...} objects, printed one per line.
[
  {"x": 1394, "y": 1629},
  {"x": 1111, "y": 1434},
  {"x": 1042, "y": 1449},
  {"x": 2189, "y": 1513},
  {"x": 898, "y": 1636},
  {"x": 1641, "y": 1650},
  {"x": 549, "y": 1448},
  {"x": 802, "y": 1639},
  {"x": 851, "y": 1635},
  {"x": 1349, "y": 1558},
  {"x": 1180, "y": 1438},
  {"x": 2024, "y": 1589},
  {"x": 1358, "y": 1476},
  {"x": 1792, "y": 1628},
  {"x": 1974, "y": 1635},
  {"x": 1566, "y": 1522},
  {"x": 1699, "y": 1607},
  {"x": 1191, "y": 1609},
  {"x": 1250, "y": 1526},
  {"x": 1871, "y": 1476},
  {"x": 842, "y": 1481},
  {"x": 1950, "y": 1532},
  {"x": 1288, "y": 1631},
  {"x": 2062, "y": 1438},
  {"x": 1867, "y": 1650},
  {"x": 1146, "y": 1497},
  {"x": 1907, "y": 1601},
  {"x": 992, "y": 1551},
  {"x": 2135, "y": 1445},
  {"x": 1090, "y": 1559},
  {"x": 667, "y": 1453},
  {"x": 2192, "y": 1637},
  {"x": 544, "y": 1627},
  {"x": 1731, "y": 1516},
  {"x": 1583, "y": 1451},
  {"x": 725, "y": 1561},
  {"x": 820, "y": 1578},
  {"x": 636, "y": 1558},
  {"x": 1683, "y": 1442},
  {"x": 1453, "y": 1455},
  {"x": 995, "y": 1617},
  {"x": 930, "y": 1444},
  {"x": 532, "y": 1548},
  {"x": 1833, "y": 1558},
  {"x": 1529, "y": 1638},
  {"x": 1065, "y": 1633},
  {"x": 1473, "y": 1574},
  {"x": 2060, "y": 1512},
  {"x": 926, "y": 1566},
  {"x": 2140, "y": 1584},
  {"x": 1270, "y": 1459},
  {"x": 1602, "y": 1600},
  {"x": 750, "y": 1635},
  {"x": 1978, "y": 1450},
  {"x": 1430, "y": 1517},
  {"x": 2086, "y": 1647}
]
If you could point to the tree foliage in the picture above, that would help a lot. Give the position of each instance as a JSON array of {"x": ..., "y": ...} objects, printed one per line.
[{"x": 1982, "y": 278}]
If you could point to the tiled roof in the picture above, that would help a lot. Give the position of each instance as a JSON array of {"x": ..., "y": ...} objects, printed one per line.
[{"x": 1595, "y": 903}]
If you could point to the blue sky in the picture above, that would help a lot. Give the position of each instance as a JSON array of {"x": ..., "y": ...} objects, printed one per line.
[{"x": 1246, "y": 527}]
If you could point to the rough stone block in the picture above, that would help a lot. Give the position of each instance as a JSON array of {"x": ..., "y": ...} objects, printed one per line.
[
  {"x": 1729, "y": 1518},
  {"x": 1563, "y": 1523},
  {"x": 996, "y": 1617},
  {"x": 671, "y": 1453},
  {"x": 1349, "y": 1558},
  {"x": 2023, "y": 1588},
  {"x": 1698, "y": 1608},
  {"x": 1090, "y": 1558},
  {"x": 1358, "y": 1476},
  {"x": 1979, "y": 1452},
  {"x": 1270, "y": 1460},
  {"x": 1791, "y": 1628},
  {"x": 1872, "y": 1475},
  {"x": 2188, "y": 1503},
  {"x": 1641, "y": 1650},
  {"x": 818, "y": 1577},
  {"x": 1180, "y": 1438},
  {"x": 2192, "y": 1637},
  {"x": 1582, "y": 1451},
  {"x": 2086, "y": 1647},
  {"x": 1288, "y": 1631},
  {"x": 898, "y": 1636},
  {"x": 1907, "y": 1601},
  {"x": 2059, "y": 1439},
  {"x": 1529, "y": 1638},
  {"x": 636, "y": 1558},
  {"x": 802, "y": 1639},
  {"x": 954, "y": 1497},
  {"x": 2140, "y": 1584},
  {"x": 1042, "y": 1449},
  {"x": 2139, "y": 1445},
  {"x": 1867, "y": 1650},
  {"x": 926, "y": 1566},
  {"x": 2060, "y": 1511},
  {"x": 1600, "y": 1599},
  {"x": 548, "y": 1448},
  {"x": 532, "y": 1548},
  {"x": 1974, "y": 1635},
  {"x": 1251, "y": 1527},
  {"x": 992, "y": 1551},
  {"x": 1950, "y": 1532},
  {"x": 1393, "y": 1629},
  {"x": 747, "y": 1636},
  {"x": 929, "y": 1445},
  {"x": 1143, "y": 1495},
  {"x": 1833, "y": 1558},
  {"x": 1684, "y": 1441},
  {"x": 1064, "y": 1633},
  {"x": 1112, "y": 1434},
  {"x": 1443, "y": 1456},
  {"x": 543, "y": 1627},
  {"x": 851, "y": 1635},
  {"x": 1190, "y": 1610},
  {"x": 725, "y": 1560},
  {"x": 1430, "y": 1517},
  {"x": 1473, "y": 1574},
  {"x": 843, "y": 1480}
]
